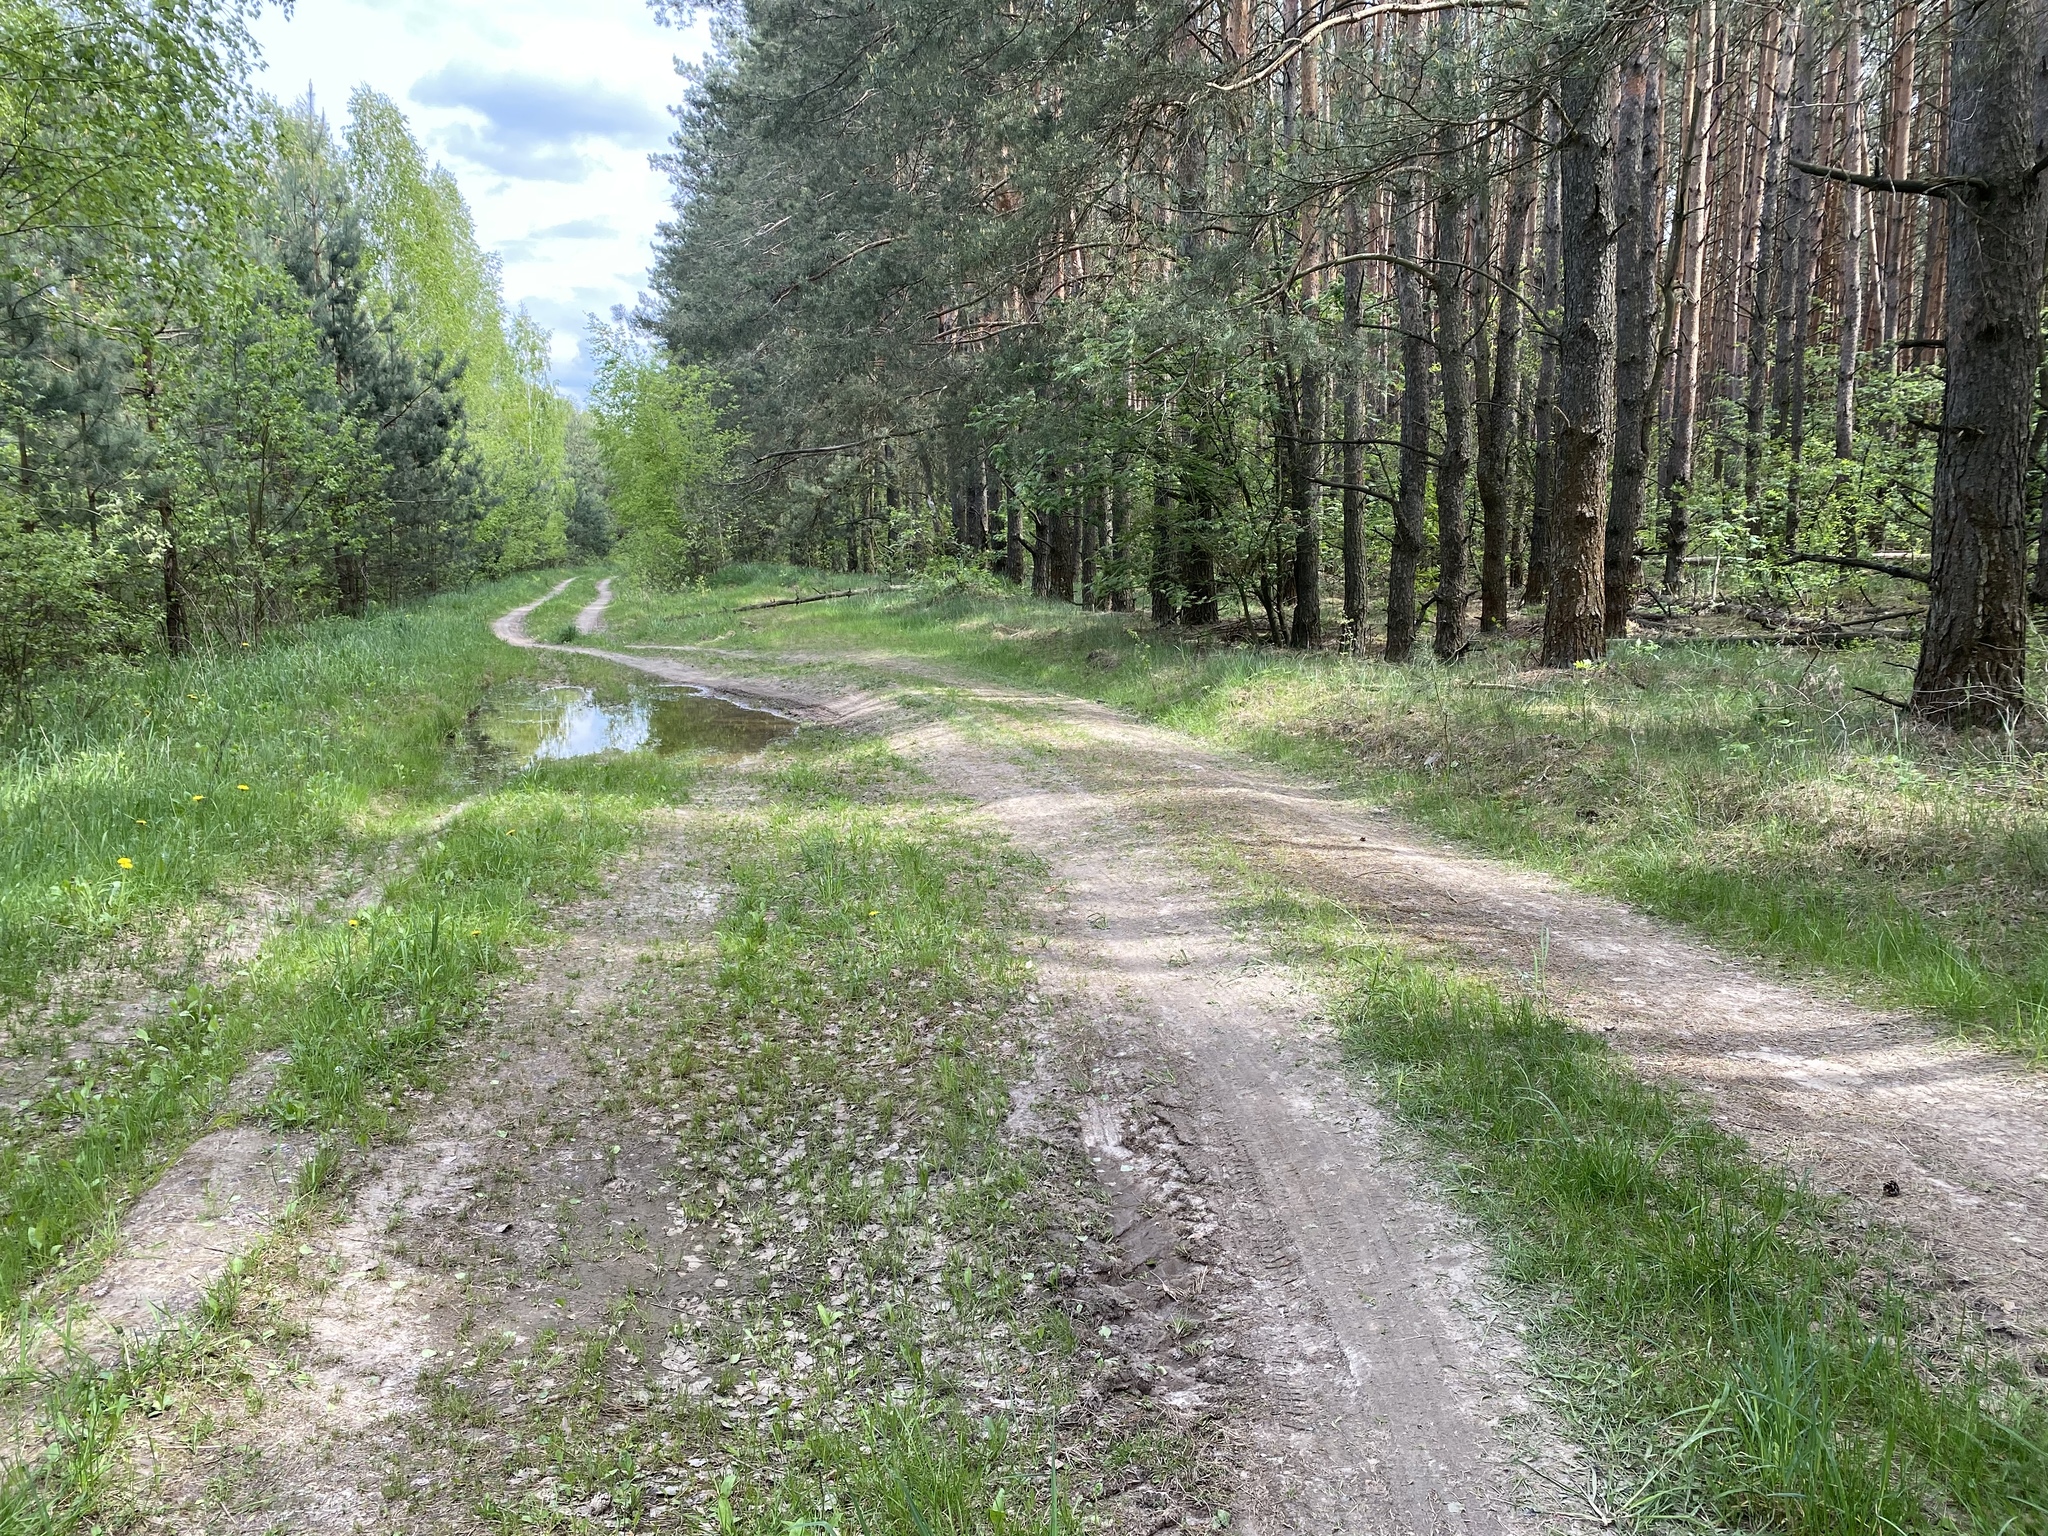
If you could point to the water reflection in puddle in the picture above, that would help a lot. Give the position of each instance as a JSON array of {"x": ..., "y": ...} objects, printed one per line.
[{"x": 544, "y": 724}]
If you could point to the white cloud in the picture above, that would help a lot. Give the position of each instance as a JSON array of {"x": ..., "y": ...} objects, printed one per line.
[{"x": 545, "y": 110}]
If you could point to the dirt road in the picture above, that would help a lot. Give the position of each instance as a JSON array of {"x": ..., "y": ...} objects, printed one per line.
[
  {"x": 1390, "y": 1399},
  {"x": 1357, "y": 1376},
  {"x": 1945, "y": 1140}
]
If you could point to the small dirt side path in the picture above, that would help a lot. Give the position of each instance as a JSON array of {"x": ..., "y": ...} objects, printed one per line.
[
  {"x": 824, "y": 703},
  {"x": 590, "y": 621},
  {"x": 1940, "y": 1138}
]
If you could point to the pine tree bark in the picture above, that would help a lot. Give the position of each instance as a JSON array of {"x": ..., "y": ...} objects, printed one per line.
[
  {"x": 1543, "y": 478},
  {"x": 1796, "y": 220},
  {"x": 1013, "y": 533},
  {"x": 1849, "y": 336},
  {"x": 1120, "y": 539},
  {"x": 1454, "y": 381},
  {"x": 1574, "y": 627},
  {"x": 1304, "y": 463},
  {"x": 1091, "y": 551},
  {"x": 1639, "y": 218},
  {"x": 1895, "y": 225},
  {"x": 1498, "y": 420},
  {"x": 1972, "y": 667},
  {"x": 1405, "y": 557},
  {"x": 1689, "y": 250},
  {"x": 1165, "y": 557},
  {"x": 1353, "y": 388},
  {"x": 1763, "y": 283}
]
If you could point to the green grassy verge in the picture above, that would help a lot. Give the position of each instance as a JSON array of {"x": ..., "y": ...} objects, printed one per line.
[
  {"x": 1732, "y": 1355},
  {"x": 1752, "y": 792},
  {"x": 359, "y": 1006},
  {"x": 128, "y": 796}
]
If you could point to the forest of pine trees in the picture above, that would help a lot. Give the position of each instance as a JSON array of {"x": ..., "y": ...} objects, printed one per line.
[
  {"x": 1375, "y": 324},
  {"x": 252, "y": 370},
  {"x": 1391, "y": 323}
]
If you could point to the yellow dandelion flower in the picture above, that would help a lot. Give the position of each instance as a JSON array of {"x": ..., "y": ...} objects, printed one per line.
[
  {"x": 476, "y": 933},
  {"x": 197, "y": 798},
  {"x": 140, "y": 822},
  {"x": 241, "y": 786},
  {"x": 125, "y": 863},
  {"x": 353, "y": 923},
  {"x": 193, "y": 696}
]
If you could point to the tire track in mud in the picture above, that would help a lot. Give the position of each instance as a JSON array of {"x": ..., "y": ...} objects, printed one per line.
[{"x": 1394, "y": 1399}]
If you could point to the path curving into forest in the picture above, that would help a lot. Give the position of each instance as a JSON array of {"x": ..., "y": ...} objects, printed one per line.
[
  {"x": 823, "y": 705},
  {"x": 590, "y": 621},
  {"x": 1391, "y": 1398},
  {"x": 1908, "y": 1126}
]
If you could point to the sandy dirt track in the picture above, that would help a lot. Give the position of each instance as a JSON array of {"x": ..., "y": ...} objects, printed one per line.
[
  {"x": 1859, "y": 1102},
  {"x": 1391, "y": 1400}
]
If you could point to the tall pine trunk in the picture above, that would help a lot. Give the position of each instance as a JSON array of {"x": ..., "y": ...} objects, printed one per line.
[
  {"x": 1973, "y": 653},
  {"x": 1688, "y": 255},
  {"x": 1639, "y": 219},
  {"x": 1763, "y": 283},
  {"x": 1498, "y": 420},
  {"x": 1405, "y": 556},
  {"x": 1574, "y": 628},
  {"x": 1352, "y": 386},
  {"x": 1543, "y": 476},
  {"x": 1849, "y": 339},
  {"x": 1303, "y": 461},
  {"x": 1454, "y": 380}
]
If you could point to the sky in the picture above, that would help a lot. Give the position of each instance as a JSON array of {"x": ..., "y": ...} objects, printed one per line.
[{"x": 545, "y": 110}]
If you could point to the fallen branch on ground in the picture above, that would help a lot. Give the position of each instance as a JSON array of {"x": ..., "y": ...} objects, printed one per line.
[{"x": 816, "y": 597}]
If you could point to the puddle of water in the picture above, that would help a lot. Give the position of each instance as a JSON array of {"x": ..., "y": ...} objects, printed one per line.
[{"x": 548, "y": 723}]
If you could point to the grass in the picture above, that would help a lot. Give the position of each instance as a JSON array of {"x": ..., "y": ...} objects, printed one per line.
[
  {"x": 1754, "y": 793},
  {"x": 837, "y": 1049},
  {"x": 832, "y": 1060},
  {"x": 1729, "y": 1352},
  {"x": 232, "y": 768},
  {"x": 358, "y": 1004},
  {"x": 85, "y": 1407},
  {"x": 876, "y": 1341}
]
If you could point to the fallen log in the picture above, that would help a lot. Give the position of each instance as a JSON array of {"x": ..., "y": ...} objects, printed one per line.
[
  {"x": 1818, "y": 638},
  {"x": 815, "y": 597}
]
